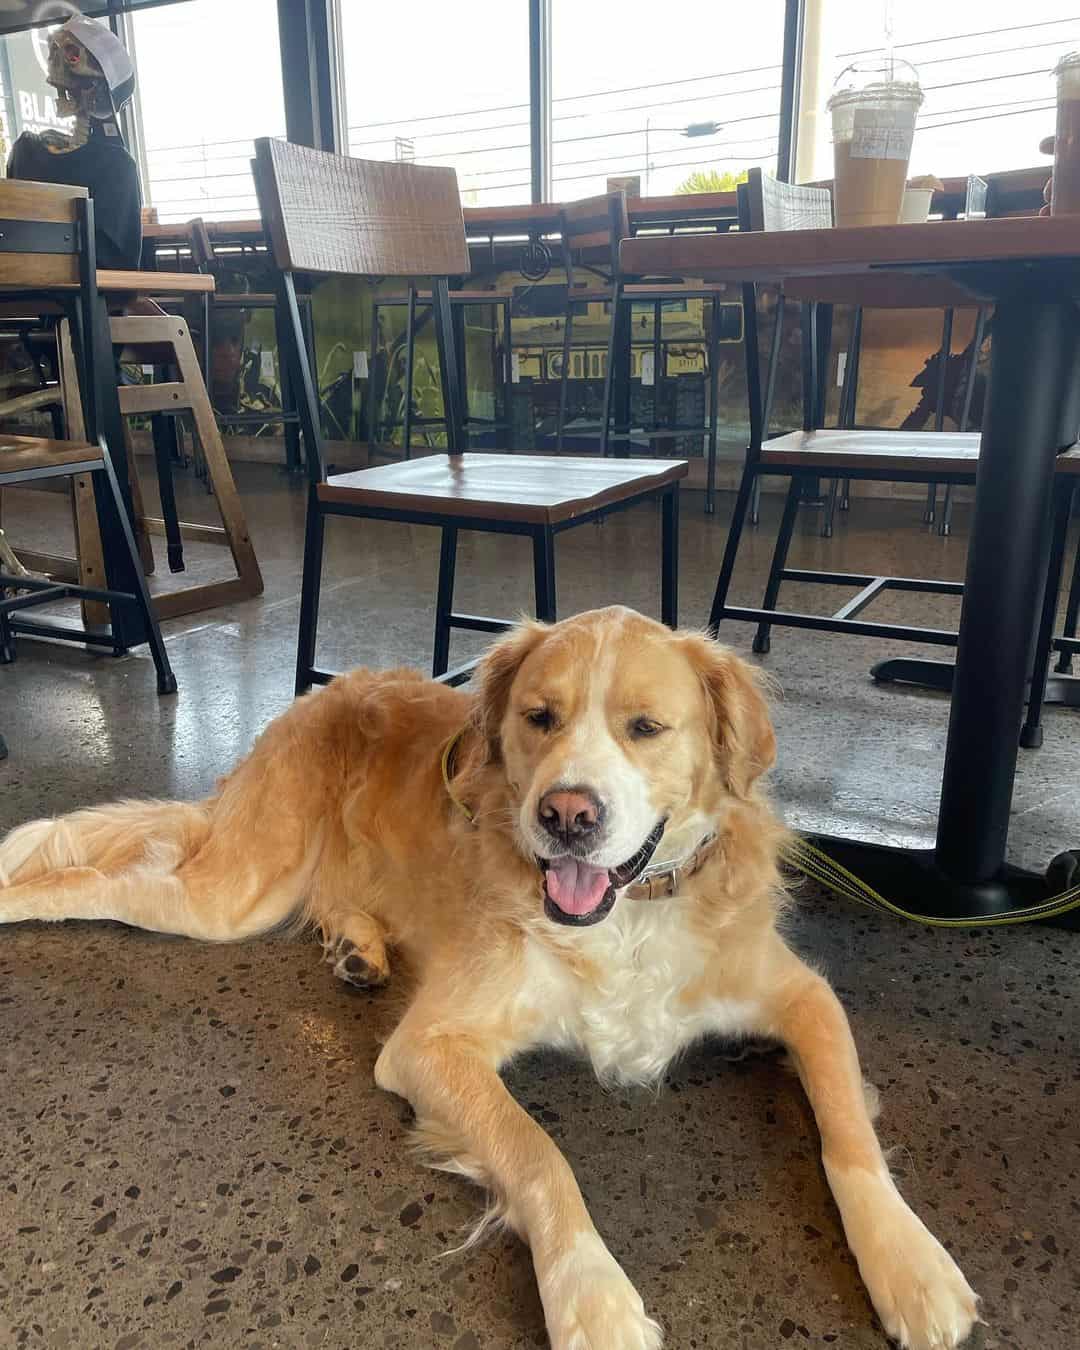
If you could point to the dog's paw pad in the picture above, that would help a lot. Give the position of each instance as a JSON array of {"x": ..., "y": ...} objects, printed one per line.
[{"x": 354, "y": 968}]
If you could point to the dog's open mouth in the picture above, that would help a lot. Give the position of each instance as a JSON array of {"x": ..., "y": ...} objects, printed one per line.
[{"x": 577, "y": 893}]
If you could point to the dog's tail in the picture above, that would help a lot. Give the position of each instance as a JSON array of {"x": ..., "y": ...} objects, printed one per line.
[
  {"x": 171, "y": 867},
  {"x": 109, "y": 839}
]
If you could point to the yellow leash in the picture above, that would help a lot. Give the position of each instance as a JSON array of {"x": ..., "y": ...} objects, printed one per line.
[{"x": 812, "y": 862}]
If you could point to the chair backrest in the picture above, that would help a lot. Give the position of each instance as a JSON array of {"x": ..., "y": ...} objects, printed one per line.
[
  {"x": 202, "y": 250},
  {"x": 765, "y": 203},
  {"x": 362, "y": 217},
  {"x": 41, "y": 239},
  {"x": 594, "y": 224}
]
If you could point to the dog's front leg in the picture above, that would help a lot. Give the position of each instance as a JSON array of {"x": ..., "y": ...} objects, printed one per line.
[
  {"x": 451, "y": 1078},
  {"x": 922, "y": 1298}
]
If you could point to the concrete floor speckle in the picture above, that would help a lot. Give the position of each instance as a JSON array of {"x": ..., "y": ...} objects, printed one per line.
[{"x": 192, "y": 1151}]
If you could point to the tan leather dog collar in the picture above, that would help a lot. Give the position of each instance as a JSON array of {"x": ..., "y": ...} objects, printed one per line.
[{"x": 666, "y": 879}]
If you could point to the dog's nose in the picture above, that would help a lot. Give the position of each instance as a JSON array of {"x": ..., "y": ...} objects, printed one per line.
[{"x": 570, "y": 813}]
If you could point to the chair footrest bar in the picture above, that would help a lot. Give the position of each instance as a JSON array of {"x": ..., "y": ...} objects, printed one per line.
[
  {"x": 478, "y": 624},
  {"x": 1067, "y": 644},
  {"x": 929, "y": 585},
  {"x": 65, "y": 632},
  {"x": 460, "y": 674},
  {"x": 825, "y": 623}
]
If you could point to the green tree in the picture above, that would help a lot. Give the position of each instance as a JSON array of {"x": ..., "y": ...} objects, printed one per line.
[{"x": 711, "y": 180}]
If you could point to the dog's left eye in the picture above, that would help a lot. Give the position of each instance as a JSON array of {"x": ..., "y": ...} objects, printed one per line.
[
  {"x": 541, "y": 718},
  {"x": 642, "y": 727}
]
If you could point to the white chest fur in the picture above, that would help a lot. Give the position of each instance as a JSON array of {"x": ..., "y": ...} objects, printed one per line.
[{"x": 629, "y": 1014}]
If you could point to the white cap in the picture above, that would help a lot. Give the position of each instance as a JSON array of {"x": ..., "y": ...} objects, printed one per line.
[{"x": 110, "y": 54}]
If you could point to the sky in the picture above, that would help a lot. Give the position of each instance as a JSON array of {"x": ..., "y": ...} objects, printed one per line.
[{"x": 448, "y": 83}]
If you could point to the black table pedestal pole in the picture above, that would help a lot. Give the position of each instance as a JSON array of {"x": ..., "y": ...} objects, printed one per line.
[{"x": 1031, "y": 414}]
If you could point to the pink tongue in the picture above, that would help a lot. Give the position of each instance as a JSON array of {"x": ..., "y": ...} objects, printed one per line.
[{"x": 576, "y": 887}]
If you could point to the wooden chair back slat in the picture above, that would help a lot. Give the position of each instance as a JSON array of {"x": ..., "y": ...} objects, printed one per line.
[
  {"x": 40, "y": 204},
  {"x": 332, "y": 214},
  {"x": 202, "y": 250}
]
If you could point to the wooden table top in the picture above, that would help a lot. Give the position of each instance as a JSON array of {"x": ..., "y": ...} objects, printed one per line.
[
  {"x": 536, "y": 489},
  {"x": 109, "y": 282},
  {"x": 1018, "y": 184},
  {"x": 899, "y": 265}
]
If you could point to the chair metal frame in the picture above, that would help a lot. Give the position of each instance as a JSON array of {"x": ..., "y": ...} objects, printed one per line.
[
  {"x": 610, "y": 223},
  {"x": 92, "y": 351},
  {"x": 542, "y": 534},
  {"x": 816, "y": 329}
]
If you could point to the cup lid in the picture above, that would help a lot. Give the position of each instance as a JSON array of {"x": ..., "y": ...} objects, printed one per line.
[
  {"x": 883, "y": 92},
  {"x": 1068, "y": 62}
]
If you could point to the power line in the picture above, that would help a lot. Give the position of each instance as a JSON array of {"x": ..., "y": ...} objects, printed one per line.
[
  {"x": 997, "y": 51},
  {"x": 575, "y": 98},
  {"x": 958, "y": 37},
  {"x": 961, "y": 121}
]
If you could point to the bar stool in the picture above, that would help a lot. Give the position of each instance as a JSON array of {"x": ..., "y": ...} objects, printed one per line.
[
  {"x": 218, "y": 302},
  {"x": 501, "y": 363},
  {"x": 593, "y": 228}
]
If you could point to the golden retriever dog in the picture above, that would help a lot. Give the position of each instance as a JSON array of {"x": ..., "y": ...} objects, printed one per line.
[{"x": 576, "y": 854}]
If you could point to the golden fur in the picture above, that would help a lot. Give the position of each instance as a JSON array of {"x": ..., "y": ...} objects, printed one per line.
[{"x": 340, "y": 817}]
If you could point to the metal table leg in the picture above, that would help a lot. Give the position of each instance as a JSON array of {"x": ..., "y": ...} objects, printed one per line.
[{"x": 1031, "y": 413}]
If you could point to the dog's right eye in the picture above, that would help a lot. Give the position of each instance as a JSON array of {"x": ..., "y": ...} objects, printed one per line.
[{"x": 541, "y": 718}]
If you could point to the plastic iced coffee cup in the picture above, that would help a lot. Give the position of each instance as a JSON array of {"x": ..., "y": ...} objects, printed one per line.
[
  {"x": 1065, "y": 194},
  {"x": 873, "y": 121}
]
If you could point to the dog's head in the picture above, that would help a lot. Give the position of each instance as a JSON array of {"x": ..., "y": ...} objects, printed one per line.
[{"x": 613, "y": 731}]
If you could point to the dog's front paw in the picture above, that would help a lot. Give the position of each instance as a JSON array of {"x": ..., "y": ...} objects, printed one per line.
[
  {"x": 591, "y": 1305},
  {"x": 919, "y": 1291}
]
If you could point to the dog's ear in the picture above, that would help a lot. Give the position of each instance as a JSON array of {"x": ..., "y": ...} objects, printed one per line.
[
  {"x": 742, "y": 732},
  {"x": 495, "y": 675}
]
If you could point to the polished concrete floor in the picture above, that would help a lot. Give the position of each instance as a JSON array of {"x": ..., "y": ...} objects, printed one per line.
[{"x": 191, "y": 1148}]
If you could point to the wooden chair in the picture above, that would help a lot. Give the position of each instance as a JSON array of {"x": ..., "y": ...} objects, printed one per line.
[
  {"x": 164, "y": 342},
  {"x": 326, "y": 214},
  {"x": 815, "y": 452},
  {"x": 47, "y": 236},
  {"x": 591, "y": 231}
]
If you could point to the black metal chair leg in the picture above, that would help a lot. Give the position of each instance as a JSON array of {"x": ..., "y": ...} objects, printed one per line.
[
  {"x": 444, "y": 602},
  {"x": 410, "y": 352},
  {"x": 609, "y": 372},
  {"x": 755, "y": 502},
  {"x": 930, "y": 513},
  {"x": 747, "y": 485},
  {"x": 166, "y": 680},
  {"x": 945, "y": 524},
  {"x": 845, "y": 495},
  {"x": 669, "y": 558},
  {"x": 3, "y": 748},
  {"x": 1072, "y": 616},
  {"x": 762, "y": 640},
  {"x": 1031, "y": 734},
  {"x": 564, "y": 375},
  {"x": 714, "y": 410},
  {"x": 830, "y": 509},
  {"x": 163, "y": 432},
  {"x": 544, "y": 574},
  {"x": 310, "y": 589}
]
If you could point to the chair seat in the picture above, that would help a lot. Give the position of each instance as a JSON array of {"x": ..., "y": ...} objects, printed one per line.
[
  {"x": 849, "y": 451},
  {"x": 530, "y": 489},
  {"x": 26, "y": 456}
]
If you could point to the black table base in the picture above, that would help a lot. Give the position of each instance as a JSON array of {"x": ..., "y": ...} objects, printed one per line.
[{"x": 912, "y": 879}]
